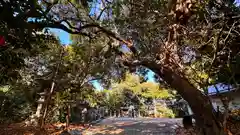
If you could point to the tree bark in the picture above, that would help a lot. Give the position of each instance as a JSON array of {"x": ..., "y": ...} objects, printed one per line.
[
  {"x": 52, "y": 89},
  {"x": 68, "y": 116},
  {"x": 200, "y": 104},
  {"x": 170, "y": 70}
]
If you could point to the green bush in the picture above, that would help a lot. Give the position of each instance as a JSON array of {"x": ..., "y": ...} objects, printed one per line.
[
  {"x": 165, "y": 112},
  {"x": 14, "y": 107}
]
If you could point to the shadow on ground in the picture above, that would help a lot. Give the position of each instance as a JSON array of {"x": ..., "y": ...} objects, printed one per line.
[{"x": 133, "y": 128}]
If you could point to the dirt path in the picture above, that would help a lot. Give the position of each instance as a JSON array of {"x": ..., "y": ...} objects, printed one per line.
[{"x": 135, "y": 126}]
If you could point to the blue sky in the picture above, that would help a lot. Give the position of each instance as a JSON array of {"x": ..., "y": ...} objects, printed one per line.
[{"x": 62, "y": 35}]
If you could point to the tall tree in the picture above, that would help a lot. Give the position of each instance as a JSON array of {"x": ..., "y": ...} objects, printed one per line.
[
  {"x": 160, "y": 32},
  {"x": 68, "y": 69}
]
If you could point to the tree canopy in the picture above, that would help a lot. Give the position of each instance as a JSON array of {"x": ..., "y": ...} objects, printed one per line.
[{"x": 189, "y": 44}]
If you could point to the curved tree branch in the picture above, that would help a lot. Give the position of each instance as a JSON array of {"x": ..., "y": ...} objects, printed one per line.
[{"x": 58, "y": 25}]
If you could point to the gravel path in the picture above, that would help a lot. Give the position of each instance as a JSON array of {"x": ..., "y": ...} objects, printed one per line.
[{"x": 135, "y": 126}]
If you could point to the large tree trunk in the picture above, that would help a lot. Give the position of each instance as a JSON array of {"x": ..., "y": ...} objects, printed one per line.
[
  {"x": 171, "y": 71},
  {"x": 200, "y": 104}
]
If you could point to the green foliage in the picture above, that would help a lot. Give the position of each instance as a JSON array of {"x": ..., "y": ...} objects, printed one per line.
[
  {"x": 165, "y": 112},
  {"x": 153, "y": 90},
  {"x": 30, "y": 61},
  {"x": 15, "y": 105},
  {"x": 131, "y": 91},
  {"x": 144, "y": 89},
  {"x": 22, "y": 40},
  {"x": 71, "y": 67}
]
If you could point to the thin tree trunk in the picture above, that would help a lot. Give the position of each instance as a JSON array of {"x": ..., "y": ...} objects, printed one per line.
[
  {"x": 52, "y": 89},
  {"x": 47, "y": 104},
  {"x": 68, "y": 116}
]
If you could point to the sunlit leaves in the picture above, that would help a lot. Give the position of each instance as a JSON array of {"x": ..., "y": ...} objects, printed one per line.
[
  {"x": 144, "y": 89},
  {"x": 152, "y": 90}
]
